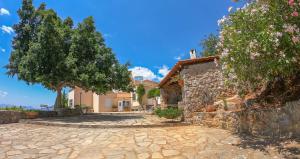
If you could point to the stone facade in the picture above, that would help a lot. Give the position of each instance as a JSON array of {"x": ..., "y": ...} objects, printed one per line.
[
  {"x": 280, "y": 122},
  {"x": 202, "y": 84},
  {"x": 9, "y": 116}
]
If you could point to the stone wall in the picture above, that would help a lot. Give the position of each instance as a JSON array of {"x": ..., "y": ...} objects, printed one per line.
[
  {"x": 202, "y": 84},
  {"x": 9, "y": 116},
  {"x": 280, "y": 122}
]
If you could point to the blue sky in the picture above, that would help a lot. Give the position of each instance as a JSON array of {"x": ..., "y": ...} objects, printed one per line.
[{"x": 151, "y": 34}]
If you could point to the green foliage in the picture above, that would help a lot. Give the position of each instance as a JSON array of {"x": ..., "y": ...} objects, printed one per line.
[
  {"x": 225, "y": 104},
  {"x": 64, "y": 99},
  {"x": 19, "y": 109},
  {"x": 32, "y": 110},
  {"x": 153, "y": 93},
  {"x": 169, "y": 113},
  {"x": 260, "y": 43},
  {"x": 140, "y": 91},
  {"x": 209, "y": 45},
  {"x": 13, "y": 108},
  {"x": 54, "y": 53}
]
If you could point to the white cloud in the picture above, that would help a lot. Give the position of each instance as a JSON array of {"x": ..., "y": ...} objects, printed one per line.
[
  {"x": 177, "y": 57},
  {"x": 2, "y": 50},
  {"x": 144, "y": 72},
  {"x": 3, "y": 94},
  {"x": 230, "y": 9},
  {"x": 147, "y": 74},
  {"x": 164, "y": 70},
  {"x": 4, "y": 11},
  {"x": 7, "y": 29}
]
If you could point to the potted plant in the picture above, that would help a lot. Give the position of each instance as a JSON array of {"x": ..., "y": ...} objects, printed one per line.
[
  {"x": 31, "y": 114},
  {"x": 84, "y": 109}
]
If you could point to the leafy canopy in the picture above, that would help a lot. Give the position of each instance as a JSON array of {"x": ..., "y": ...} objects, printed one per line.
[
  {"x": 155, "y": 92},
  {"x": 209, "y": 45},
  {"x": 140, "y": 93},
  {"x": 51, "y": 51},
  {"x": 260, "y": 42}
]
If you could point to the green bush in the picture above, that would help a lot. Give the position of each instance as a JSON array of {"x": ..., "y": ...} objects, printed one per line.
[
  {"x": 169, "y": 113},
  {"x": 32, "y": 110},
  {"x": 259, "y": 43},
  {"x": 13, "y": 108}
]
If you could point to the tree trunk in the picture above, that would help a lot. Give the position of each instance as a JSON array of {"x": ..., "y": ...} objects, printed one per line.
[
  {"x": 58, "y": 103},
  {"x": 155, "y": 102}
]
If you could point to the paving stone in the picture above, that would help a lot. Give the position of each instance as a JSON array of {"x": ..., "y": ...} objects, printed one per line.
[
  {"x": 116, "y": 157},
  {"x": 58, "y": 147},
  {"x": 157, "y": 155},
  {"x": 6, "y": 142},
  {"x": 168, "y": 153},
  {"x": 130, "y": 155},
  {"x": 155, "y": 147},
  {"x": 160, "y": 142},
  {"x": 14, "y": 152},
  {"x": 74, "y": 154},
  {"x": 144, "y": 144},
  {"x": 47, "y": 151},
  {"x": 143, "y": 156},
  {"x": 191, "y": 142},
  {"x": 63, "y": 151},
  {"x": 2, "y": 155},
  {"x": 19, "y": 147}
]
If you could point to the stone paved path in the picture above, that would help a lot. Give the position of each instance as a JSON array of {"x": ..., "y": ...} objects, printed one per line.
[
  {"x": 191, "y": 142},
  {"x": 105, "y": 121}
]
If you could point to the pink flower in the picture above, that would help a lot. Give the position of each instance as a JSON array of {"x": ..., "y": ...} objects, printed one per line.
[
  {"x": 291, "y": 2},
  {"x": 295, "y": 14},
  {"x": 295, "y": 39}
]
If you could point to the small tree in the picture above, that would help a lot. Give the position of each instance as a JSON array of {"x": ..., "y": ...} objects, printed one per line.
[
  {"x": 209, "y": 45},
  {"x": 153, "y": 94},
  {"x": 140, "y": 93},
  {"x": 64, "y": 99}
]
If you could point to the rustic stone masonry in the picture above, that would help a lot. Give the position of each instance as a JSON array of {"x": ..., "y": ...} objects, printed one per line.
[
  {"x": 9, "y": 116},
  {"x": 280, "y": 122},
  {"x": 202, "y": 84}
]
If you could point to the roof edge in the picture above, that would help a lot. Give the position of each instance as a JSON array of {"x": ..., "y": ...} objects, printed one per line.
[{"x": 181, "y": 63}]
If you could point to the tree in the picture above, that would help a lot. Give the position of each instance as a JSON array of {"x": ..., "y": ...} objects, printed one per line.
[
  {"x": 64, "y": 100},
  {"x": 154, "y": 94},
  {"x": 140, "y": 94},
  {"x": 260, "y": 45},
  {"x": 209, "y": 45},
  {"x": 50, "y": 51}
]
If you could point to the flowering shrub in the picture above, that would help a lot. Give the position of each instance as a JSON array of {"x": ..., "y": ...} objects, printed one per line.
[{"x": 260, "y": 42}]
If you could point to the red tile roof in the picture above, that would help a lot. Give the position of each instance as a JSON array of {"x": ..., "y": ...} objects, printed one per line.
[{"x": 178, "y": 66}]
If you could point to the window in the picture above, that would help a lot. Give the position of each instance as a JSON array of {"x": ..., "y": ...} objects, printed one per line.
[
  {"x": 126, "y": 103},
  {"x": 71, "y": 103},
  {"x": 134, "y": 96}
]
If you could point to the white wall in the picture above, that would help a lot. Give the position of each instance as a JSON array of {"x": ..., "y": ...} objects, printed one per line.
[
  {"x": 96, "y": 103},
  {"x": 71, "y": 97}
]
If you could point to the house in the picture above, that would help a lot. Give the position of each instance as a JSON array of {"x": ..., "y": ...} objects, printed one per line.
[
  {"x": 111, "y": 101},
  {"x": 192, "y": 84},
  {"x": 148, "y": 85}
]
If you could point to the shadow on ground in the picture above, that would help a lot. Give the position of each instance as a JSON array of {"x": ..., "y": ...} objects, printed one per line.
[
  {"x": 94, "y": 118},
  {"x": 288, "y": 147}
]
